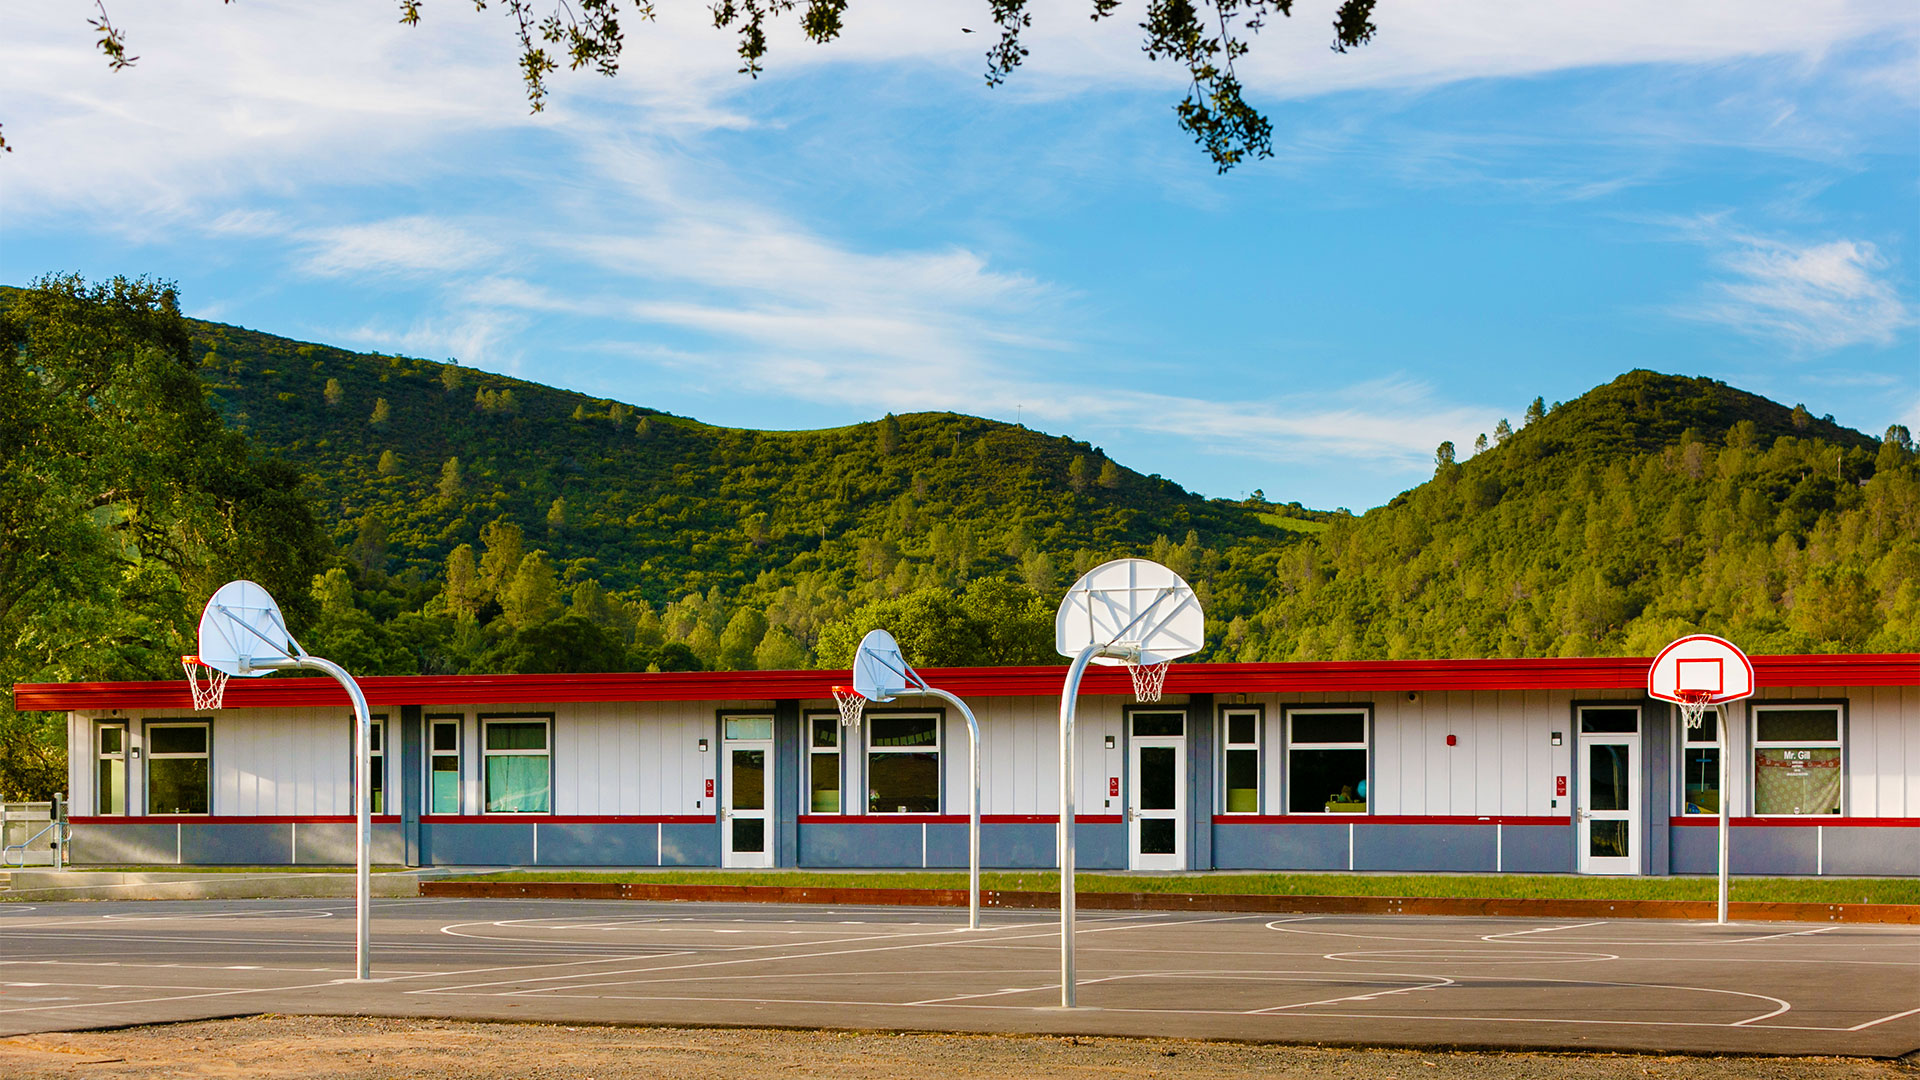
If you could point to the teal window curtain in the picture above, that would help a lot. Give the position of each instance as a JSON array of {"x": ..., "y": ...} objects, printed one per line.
[{"x": 517, "y": 784}]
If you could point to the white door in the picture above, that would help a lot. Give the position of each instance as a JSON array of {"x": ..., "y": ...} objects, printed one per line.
[
  {"x": 1157, "y": 792},
  {"x": 746, "y": 779},
  {"x": 1609, "y": 805}
]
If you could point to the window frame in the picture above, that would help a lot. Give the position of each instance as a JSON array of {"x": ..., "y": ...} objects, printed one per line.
[
  {"x": 1839, "y": 706},
  {"x": 1682, "y": 744},
  {"x": 123, "y": 757},
  {"x": 378, "y": 772},
  {"x": 1227, "y": 746},
  {"x": 938, "y": 750},
  {"x": 458, "y": 722},
  {"x": 837, "y": 751},
  {"x": 487, "y": 755},
  {"x": 149, "y": 757},
  {"x": 1365, "y": 746}
]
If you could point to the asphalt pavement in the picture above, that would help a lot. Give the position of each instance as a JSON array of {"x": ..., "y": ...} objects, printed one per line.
[{"x": 1851, "y": 989}]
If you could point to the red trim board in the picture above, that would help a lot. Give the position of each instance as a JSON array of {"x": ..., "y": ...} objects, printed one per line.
[{"x": 1363, "y": 676}]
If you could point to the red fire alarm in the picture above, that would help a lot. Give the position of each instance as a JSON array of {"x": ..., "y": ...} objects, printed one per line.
[
  {"x": 1560, "y": 785},
  {"x": 1453, "y": 740}
]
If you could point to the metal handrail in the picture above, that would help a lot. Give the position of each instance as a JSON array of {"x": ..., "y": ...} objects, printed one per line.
[
  {"x": 57, "y": 824},
  {"x": 63, "y": 835}
]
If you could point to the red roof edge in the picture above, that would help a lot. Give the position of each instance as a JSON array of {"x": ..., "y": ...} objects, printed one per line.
[{"x": 1355, "y": 677}]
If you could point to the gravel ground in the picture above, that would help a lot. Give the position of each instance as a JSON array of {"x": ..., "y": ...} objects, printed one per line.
[{"x": 382, "y": 1049}]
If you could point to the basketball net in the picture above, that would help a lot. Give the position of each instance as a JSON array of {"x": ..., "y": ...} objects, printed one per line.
[
  {"x": 1148, "y": 679},
  {"x": 1694, "y": 705},
  {"x": 209, "y": 686},
  {"x": 851, "y": 703}
]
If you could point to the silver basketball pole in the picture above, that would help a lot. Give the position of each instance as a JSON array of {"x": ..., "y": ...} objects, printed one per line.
[
  {"x": 973, "y": 801},
  {"x": 363, "y": 808},
  {"x": 1069, "y": 697},
  {"x": 1726, "y": 796}
]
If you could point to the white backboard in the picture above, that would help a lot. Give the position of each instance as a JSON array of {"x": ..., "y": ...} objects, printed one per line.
[
  {"x": 1701, "y": 664},
  {"x": 242, "y": 624},
  {"x": 1130, "y": 604},
  {"x": 879, "y": 670}
]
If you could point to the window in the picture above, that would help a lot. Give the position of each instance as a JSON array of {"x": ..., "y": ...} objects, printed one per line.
[
  {"x": 1327, "y": 761},
  {"x": 1241, "y": 760},
  {"x": 178, "y": 775},
  {"x": 1700, "y": 789},
  {"x": 823, "y": 764},
  {"x": 110, "y": 776},
  {"x": 378, "y": 772},
  {"x": 518, "y": 770},
  {"x": 1796, "y": 759},
  {"x": 443, "y": 764},
  {"x": 903, "y": 764}
]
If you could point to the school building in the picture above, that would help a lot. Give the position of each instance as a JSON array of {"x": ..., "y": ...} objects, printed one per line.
[{"x": 1521, "y": 766}]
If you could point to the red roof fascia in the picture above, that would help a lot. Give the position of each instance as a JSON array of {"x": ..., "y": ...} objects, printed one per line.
[{"x": 1355, "y": 677}]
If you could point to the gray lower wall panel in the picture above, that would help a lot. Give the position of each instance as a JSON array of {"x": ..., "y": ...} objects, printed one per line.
[
  {"x": 695, "y": 843},
  {"x": 115, "y": 844},
  {"x": 867, "y": 845},
  {"x": 1695, "y": 850},
  {"x": 331, "y": 843},
  {"x": 1835, "y": 850},
  {"x": 1466, "y": 849},
  {"x": 1762, "y": 850},
  {"x": 1536, "y": 849},
  {"x": 611, "y": 844},
  {"x": 1003, "y": 845},
  {"x": 476, "y": 843},
  {"x": 1265, "y": 846},
  {"x": 240, "y": 845},
  {"x": 1873, "y": 850}
]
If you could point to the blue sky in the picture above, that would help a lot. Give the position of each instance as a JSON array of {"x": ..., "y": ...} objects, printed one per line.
[{"x": 1485, "y": 205}]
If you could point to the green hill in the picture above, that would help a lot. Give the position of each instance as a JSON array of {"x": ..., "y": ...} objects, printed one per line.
[{"x": 1650, "y": 507}]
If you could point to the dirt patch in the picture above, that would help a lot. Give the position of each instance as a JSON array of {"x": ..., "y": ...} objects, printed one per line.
[{"x": 382, "y": 1049}]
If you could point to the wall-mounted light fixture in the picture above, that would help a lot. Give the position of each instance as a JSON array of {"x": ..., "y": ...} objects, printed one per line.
[
  {"x": 1556, "y": 738},
  {"x": 703, "y": 743},
  {"x": 1109, "y": 742}
]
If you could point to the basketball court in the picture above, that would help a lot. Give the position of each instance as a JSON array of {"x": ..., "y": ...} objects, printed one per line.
[{"x": 1630, "y": 985}]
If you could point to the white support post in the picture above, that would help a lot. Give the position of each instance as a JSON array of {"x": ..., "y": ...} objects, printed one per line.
[
  {"x": 363, "y": 803},
  {"x": 1069, "y": 697}
]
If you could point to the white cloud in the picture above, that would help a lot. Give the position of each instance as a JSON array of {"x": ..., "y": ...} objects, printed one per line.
[
  {"x": 409, "y": 245},
  {"x": 1816, "y": 296}
]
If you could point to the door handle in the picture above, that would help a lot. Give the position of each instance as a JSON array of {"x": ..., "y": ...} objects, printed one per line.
[{"x": 1132, "y": 815}]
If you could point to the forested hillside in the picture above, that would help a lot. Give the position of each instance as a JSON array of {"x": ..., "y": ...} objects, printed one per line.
[{"x": 1648, "y": 508}]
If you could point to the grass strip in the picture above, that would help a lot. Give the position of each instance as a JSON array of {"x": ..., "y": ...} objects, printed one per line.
[{"x": 1491, "y": 886}]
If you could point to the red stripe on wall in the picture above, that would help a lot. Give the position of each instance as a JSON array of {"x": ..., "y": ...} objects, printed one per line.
[
  {"x": 1379, "y": 819},
  {"x": 204, "y": 819},
  {"x": 569, "y": 819},
  {"x": 954, "y": 819},
  {"x": 1804, "y": 819}
]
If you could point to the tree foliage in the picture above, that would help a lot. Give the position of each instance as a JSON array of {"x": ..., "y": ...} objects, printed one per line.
[
  {"x": 1206, "y": 37},
  {"x": 124, "y": 501}
]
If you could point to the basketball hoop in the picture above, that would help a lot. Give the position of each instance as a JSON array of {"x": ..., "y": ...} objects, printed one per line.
[
  {"x": 209, "y": 684},
  {"x": 1693, "y": 706},
  {"x": 851, "y": 704},
  {"x": 1148, "y": 679}
]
